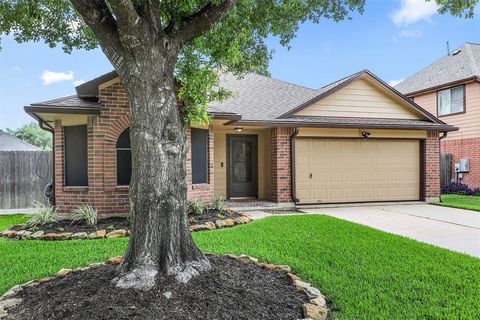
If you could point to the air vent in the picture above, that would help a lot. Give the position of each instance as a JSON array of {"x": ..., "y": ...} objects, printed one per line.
[{"x": 454, "y": 53}]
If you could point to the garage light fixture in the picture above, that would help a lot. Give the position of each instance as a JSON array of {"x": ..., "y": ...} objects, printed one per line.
[
  {"x": 365, "y": 134},
  {"x": 238, "y": 129}
]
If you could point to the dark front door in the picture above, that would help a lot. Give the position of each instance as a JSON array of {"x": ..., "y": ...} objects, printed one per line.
[{"x": 242, "y": 166}]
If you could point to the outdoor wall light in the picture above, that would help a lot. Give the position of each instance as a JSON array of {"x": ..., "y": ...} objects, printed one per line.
[
  {"x": 238, "y": 129},
  {"x": 365, "y": 134}
]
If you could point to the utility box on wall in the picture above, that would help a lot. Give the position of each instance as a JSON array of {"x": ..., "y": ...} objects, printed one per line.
[{"x": 464, "y": 165}]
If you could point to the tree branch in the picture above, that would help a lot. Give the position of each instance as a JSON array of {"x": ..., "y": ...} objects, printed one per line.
[
  {"x": 98, "y": 17},
  {"x": 201, "y": 21}
]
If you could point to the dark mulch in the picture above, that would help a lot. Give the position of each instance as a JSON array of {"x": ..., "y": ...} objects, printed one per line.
[
  {"x": 231, "y": 290},
  {"x": 114, "y": 223}
]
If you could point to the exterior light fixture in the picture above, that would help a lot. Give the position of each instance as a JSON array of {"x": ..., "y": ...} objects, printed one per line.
[
  {"x": 238, "y": 129},
  {"x": 365, "y": 134}
]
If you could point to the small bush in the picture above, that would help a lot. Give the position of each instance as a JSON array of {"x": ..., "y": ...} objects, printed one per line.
[
  {"x": 42, "y": 215},
  {"x": 196, "y": 207},
  {"x": 87, "y": 213},
  {"x": 460, "y": 188},
  {"x": 218, "y": 203}
]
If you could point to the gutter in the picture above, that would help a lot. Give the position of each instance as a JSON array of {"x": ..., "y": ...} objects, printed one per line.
[
  {"x": 443, "y": 85},
  {"x": 292, "y": 164}
]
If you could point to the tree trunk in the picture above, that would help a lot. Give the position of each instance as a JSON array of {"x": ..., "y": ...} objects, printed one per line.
[{"x": 160, "y": 241}]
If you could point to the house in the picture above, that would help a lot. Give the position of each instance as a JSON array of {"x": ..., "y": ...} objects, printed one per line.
[
  {"x": 354, "y": 140},
  {"x": 449, "y": 88},
  {"x": 11, "y": 143}
]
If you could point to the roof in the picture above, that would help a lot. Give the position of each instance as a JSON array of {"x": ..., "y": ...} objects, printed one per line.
[
  {"x": 462, "y": 64},
  {"x": 10, "y": 143},
  {"x": 259, "y": 97},
  {"x": 254, "y": 99}
]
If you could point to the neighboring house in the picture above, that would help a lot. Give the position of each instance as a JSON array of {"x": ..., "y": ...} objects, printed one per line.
[
  {"x": 11, "y": 143},
  {"x": 355, "y": 140},
  {"x": 449, "y": 88}
]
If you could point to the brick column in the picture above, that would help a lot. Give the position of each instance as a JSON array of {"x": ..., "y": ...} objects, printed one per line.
[
  {"x": 432, "y": 167},
  {"x": 281, "y": 165}
]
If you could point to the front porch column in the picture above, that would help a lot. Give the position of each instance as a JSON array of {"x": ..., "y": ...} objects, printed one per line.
[{"x": 281, "y": 165}]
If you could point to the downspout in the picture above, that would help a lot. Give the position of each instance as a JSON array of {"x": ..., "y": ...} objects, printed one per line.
[
  {"x": 443, "y": 136},
  {"x": 45, "y": 126},
  {"x": 292, "y": 163}
]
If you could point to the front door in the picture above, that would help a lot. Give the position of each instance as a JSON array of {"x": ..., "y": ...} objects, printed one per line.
[{"x": 242, "y": 166}]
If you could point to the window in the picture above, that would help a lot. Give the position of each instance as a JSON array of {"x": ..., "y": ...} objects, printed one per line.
[
  {"x": 450, "y": 101},
  {"x": 124, "y": 159},
  {"x": 199, "y": 140},
  {"x": 76, "y": 161}
]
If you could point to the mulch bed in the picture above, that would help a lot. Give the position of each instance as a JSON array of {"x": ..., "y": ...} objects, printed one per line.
[
  {"x": 114, "y": 223},
  {"x": 231, "y": 290},
  {"x": 121, "y": 223}
]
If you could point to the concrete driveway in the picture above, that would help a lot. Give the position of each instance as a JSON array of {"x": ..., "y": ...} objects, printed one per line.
[{"x": 449, "y": 228}]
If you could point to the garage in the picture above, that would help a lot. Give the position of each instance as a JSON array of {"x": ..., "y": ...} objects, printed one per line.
[{"x": 342, "y": 170}]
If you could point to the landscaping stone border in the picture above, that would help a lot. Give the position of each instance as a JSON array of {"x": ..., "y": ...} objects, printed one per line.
[
  {"x": 315, "y": 309},
  {"x": 120, "y": 233}
]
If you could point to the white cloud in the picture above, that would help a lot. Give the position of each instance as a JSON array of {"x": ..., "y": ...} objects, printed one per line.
[
  {"x": 412, "y": 11},
  {"x": 393, "y": 83},
  {"x": 16, "y": 68},
  {"x": 411, "y": 33},
  {"x": 78, "y": 82},
  {"x": 49, "y": 77}
]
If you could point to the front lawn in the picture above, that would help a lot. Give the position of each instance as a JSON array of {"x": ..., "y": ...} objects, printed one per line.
[
  {"x": 9, "y": 220},
  {"x": 460, "y": 201},
  {"x": 367, "y": 274}
]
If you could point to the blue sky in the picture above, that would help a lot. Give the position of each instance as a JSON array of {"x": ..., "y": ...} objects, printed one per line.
[{"x": 394, "y": 39}]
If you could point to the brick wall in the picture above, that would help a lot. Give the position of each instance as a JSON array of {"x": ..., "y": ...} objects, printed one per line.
[
  {"x": 432, "y": 167},
  {"x": 103, "y": 131},
  {"x": 281, "y": 165},
  {"x": 468, "y": 149}
]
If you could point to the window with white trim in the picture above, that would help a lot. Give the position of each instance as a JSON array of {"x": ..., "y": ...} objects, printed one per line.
[{"x": 451, "y": 101}]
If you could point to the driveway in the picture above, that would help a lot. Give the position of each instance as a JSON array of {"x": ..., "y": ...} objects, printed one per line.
[{"x": 454, "y": 229}]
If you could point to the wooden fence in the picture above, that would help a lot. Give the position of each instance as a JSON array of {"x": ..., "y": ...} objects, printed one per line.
[
  {"x": 445, "y": 168},
  {"x": 23, "y": 177}
]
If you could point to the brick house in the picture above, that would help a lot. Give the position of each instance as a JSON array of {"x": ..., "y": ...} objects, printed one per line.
[
  {"x": 354, "y": 140},
  {"x": 449, "y": 88}
]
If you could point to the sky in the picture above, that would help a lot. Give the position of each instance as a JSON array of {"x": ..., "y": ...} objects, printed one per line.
[{"x": 394, "y": 39}]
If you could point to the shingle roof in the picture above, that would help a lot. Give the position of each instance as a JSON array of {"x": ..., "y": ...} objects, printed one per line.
[
  {"x": 259, "y": 97},
  {"x": 69, "y": 101},
  {"x": 10, "y": 143},
  {"x": 463, "y": 63}
]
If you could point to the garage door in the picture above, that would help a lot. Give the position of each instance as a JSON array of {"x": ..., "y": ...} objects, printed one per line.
[{"x": 356, "y": 170}]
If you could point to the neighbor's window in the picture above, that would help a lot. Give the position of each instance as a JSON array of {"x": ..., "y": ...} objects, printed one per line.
[
  {"x": 199, "y": 149},
  {"x": 76, "y": 161},
  {"x": 451, "y": 100},
  {"x": 124, "y": 159}
]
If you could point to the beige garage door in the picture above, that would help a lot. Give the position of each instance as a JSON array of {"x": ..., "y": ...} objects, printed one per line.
[{"x": 356, "y": 170}]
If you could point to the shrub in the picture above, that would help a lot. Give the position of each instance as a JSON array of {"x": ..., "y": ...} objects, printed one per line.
[
  {"x": 42, "y": 215},
  {"x": 218, "y": 203},
  {"x": 196, "y": 207},
  {"x": 460, "y": 188},
  {"x": 87, "y": 213}
]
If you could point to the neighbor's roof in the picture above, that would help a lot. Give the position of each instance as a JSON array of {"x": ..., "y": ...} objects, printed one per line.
[
  {"x": 461, "y": 64},
  {"x": 10, "y": 143}
]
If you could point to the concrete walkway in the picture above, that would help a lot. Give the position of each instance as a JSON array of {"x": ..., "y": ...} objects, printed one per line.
[{"x": 454, "y": 229}]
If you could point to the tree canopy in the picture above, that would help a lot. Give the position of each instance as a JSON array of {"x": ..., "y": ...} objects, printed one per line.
[
  {"x": 235, "y": 44},
  {"x": 33, "y": 134}
]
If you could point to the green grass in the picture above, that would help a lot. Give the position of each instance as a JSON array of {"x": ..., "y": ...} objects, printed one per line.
[
  {"x": 10, "y": 220},
  {"x": 460, "y": 201},
  {"x": 365, "y": 273}
]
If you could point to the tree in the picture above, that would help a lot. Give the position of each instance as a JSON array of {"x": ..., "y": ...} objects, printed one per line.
[
  {"x": 33, "y": 134},
  {"x": 155, "y": 45}
]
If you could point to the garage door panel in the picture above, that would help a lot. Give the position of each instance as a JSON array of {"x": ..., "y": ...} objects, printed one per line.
[{"x": 354, "y": 170}]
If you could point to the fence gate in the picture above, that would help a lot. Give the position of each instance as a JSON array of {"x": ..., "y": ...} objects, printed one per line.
[
  {"x": 23, "y": 177},
  {"x": 445, "y": 168}
]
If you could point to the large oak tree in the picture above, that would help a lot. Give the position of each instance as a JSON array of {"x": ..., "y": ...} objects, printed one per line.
[{"x": 164, "y": 49}]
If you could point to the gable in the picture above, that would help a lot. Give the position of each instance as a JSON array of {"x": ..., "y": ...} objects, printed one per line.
[{"x": 362, "y": 98}]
